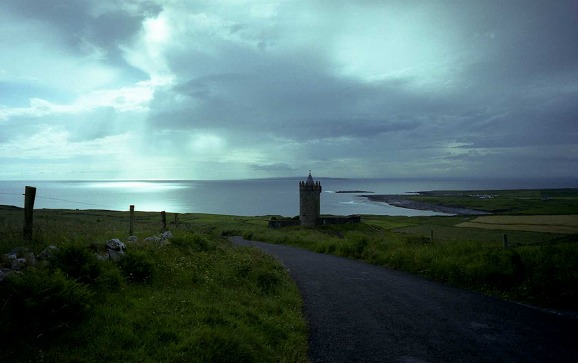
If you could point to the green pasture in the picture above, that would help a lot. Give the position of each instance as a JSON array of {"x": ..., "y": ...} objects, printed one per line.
[
  {"x": 194, "y": 299},
  {"x": 201, "y": 297},
  {"x": 527, "y": 202}
]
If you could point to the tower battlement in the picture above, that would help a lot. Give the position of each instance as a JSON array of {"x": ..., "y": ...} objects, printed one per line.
[{"x": 313, "y": 187}]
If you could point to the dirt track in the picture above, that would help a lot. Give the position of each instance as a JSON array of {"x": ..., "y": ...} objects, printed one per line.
[{"x": 363, "y": 313}]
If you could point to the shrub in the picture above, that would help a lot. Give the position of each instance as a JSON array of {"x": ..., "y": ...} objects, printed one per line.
[
  {"x": 268, "y": 279},
  {"x": 551, "y": 275},
  {"x": 137, "y": 266},
  {"x": 76, "y": 261},
  {"x": 195, "y": 242},
  {"x": 110, "y": 278},
  {"x": 36, "y": 302}
]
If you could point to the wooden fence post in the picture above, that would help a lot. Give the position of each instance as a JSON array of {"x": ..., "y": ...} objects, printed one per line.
[
  {"x": 431, "y": 236},
  {"x": 176, "y": 219},
  {"x": 29, "y": 196},
  {"x": 164, "y": 220},
  {"x": 506, "y": 244},
  {"x": 131, "y": 221}
]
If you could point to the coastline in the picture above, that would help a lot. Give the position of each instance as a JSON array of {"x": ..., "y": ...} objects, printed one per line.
[{"x": 397, "y": 200}]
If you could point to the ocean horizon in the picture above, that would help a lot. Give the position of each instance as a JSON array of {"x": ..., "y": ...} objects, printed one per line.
[{"x": 247, "y": 197}]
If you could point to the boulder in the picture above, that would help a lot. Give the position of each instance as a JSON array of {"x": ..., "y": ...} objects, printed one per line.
[
  {"x": 47, "y": 253},
  {"x": 114, "y": 255},
  {"x": 4, "y": 273},
  {"x": 101, "y": 257},
  {"x": 166, "y": 235},
  {"x": 18, "y": 258},
  {"x": 153, "y": 239},
  {"x": 115, "y": 245},
  {"x": 17, "y": 252},
  {"x": 132, "y": 239},
  {"x": 18, "y": 263}
]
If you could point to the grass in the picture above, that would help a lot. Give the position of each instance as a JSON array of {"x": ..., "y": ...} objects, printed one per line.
[
  {"x": 562, "y": 224},
  {"x": 539, "y": 268},
  {"x": 526, "y": 202},
  {"x": 196, "y": 299},
  {"x": 544, "y": 274}
]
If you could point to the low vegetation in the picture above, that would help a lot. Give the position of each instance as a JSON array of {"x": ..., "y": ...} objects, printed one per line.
[
  {"x": 198, "y": 298},
  {"x": 539, "y": 268},
  {"x": 510, "y": 202},
  {"x": 194, "y": 299}
]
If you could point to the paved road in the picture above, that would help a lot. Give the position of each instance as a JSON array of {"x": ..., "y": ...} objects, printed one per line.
[{"x": 364, "y": 313}]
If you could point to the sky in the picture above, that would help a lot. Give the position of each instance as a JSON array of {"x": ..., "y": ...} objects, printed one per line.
[{"x": 232, "y": 89}]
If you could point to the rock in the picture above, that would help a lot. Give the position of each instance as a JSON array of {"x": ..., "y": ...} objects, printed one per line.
[
  {"x": 4, "y": 273},
  {"x": 30, "y": 259},
  {"x": 115, "y": 255},
  {"x": 18, "y": 263},
  {"x": 101, "y": 257},
  {"x": 154, "y": 239},
  {"x": 132, "y": 239},
  {"x": 17, "y": 252},
  {"x": 166, "y": 235},
  {"x": 47, "y": 253},
  {"x": 16, "y": 258},
  {"x": 115, "y": 245}
]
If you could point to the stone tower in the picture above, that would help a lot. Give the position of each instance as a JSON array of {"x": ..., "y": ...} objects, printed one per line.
[{"x": 309, "y": 201}]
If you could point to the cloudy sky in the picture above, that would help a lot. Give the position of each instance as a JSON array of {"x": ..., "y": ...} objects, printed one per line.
[{"x": 227, "y": 89}]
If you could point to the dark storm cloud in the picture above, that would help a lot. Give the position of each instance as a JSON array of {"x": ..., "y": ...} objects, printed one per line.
[
  {"x": 381, "y": 87},
  {"x": 81, "y": 24},
  {"x": 275, "y": 167}
]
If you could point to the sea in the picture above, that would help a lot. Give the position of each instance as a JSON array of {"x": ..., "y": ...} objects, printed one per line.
[{"x": 251, "y": 197}]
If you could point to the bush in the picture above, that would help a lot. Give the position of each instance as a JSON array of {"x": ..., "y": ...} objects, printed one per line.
[
  {"x": 36, "y": 302},
  {"x": 110, "y": 278},
  {"x": 552, "y": 275},
  {"x": 268, "y": 279},
  {"x": 137, "y": 266},
  {"x": 195, "y": 242},
  {"x": 76, "y": 261}
]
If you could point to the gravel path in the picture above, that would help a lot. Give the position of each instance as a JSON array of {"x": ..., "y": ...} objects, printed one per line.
[{"x": 359, "y": 312}]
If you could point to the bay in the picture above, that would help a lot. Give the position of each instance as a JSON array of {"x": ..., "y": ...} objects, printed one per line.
[{"x": 250, "y": 197}]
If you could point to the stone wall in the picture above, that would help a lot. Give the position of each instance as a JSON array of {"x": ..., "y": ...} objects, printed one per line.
[
  {"x": 339, "y": 219},
  {"x": 279, "y": 223}
]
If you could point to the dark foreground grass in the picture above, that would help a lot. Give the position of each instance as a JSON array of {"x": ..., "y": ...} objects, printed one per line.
[{"x": 197, "y": 299}]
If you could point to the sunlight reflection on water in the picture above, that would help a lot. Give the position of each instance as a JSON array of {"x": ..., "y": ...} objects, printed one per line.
[{"x": 136, "y": 186}]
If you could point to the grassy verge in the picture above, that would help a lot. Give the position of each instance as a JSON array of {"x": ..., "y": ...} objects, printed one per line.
[
  {"x": 539, "y": 268},
  {"x": 195, "y": 299}
]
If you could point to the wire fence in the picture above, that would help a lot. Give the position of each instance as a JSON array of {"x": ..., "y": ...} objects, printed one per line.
[
  {"x": 63, "y": 200},
  {"x": 54, "y": 221}
]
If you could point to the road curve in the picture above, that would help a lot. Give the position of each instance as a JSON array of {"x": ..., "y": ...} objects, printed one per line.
[{"x": 359, "y": 312}]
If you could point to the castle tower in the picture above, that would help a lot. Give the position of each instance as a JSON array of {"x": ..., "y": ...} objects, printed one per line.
[{"x": 309, "y": 201}]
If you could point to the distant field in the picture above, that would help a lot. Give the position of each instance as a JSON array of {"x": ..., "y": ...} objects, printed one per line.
[
  {"x": 506, "y": 202},
  {"x": 562, "y": 224}
]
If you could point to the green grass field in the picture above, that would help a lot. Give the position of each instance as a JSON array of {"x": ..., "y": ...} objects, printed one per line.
[
  {"x": 510, "y": 202},
  {"x": 195, "y": 299},
  {"x": 200, "y": 297}
]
